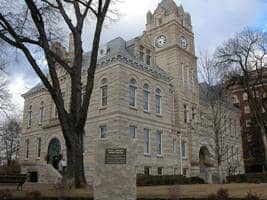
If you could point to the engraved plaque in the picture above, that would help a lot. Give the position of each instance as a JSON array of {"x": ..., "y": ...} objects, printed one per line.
[{"x": 115, "y": 156}]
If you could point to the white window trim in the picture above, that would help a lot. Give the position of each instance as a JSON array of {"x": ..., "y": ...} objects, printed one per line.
[
  {"x": 161, "y": 144},
  {"x": 148, "y": 100},
  {"x": 135, "y": 95},
  {"x": 41, "y": 113},
  {"x": 27, "y": 149},
  {"x": 185, "y": 149},
  {"x": 101, "y": 95},
  {"x": 149, "y": 143},
  {"x": 39, "y": 156},
  {"x": 135, "y": 127},
  {"x": 100, "y": 127}
]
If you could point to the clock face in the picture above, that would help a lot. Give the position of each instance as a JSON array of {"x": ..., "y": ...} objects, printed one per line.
[
  {"x": 160, "y": 41},
  {"x": 183, "y": 42}
]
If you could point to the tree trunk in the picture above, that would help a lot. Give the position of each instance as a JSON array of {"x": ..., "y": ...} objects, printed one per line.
[
  {"x": 75, "y": 166},
  {"x": 264, "y": 141},
  {"x": 220, "y": 173}
]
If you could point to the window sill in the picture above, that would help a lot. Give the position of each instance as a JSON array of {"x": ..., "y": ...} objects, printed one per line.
[
  {"x": 147, "y": 154},
  {"x": 103, "y": 139},
  {"x": 38, "y": 158},
  {"x": 159, "y": 115},
  {"x": 133, "y": 107},
  {"x": 102, "y": 107},
  {"x": 147, "y": 112},
  {"x": 159, "y": 156},
  {"x": 184, "y": 158}
]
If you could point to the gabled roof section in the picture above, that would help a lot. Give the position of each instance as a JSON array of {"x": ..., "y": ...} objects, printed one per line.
[{"x": 37, "y": 88}]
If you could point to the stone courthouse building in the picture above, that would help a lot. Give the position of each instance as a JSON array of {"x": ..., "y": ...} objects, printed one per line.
[{"x": 146, "y": 93}]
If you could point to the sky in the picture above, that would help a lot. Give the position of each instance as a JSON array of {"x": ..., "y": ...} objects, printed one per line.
[{"x": 214, "y": 21}]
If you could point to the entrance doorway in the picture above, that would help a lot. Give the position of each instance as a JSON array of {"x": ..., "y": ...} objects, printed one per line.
[
  {"x": 204, "y": 164},
  {"x": 54, "y": 150}
]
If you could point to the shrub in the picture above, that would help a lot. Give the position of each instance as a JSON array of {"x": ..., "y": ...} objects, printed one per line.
[
  {"x": 145, "y": 180},
  {"x": 222, "y": 194},
  {"x": 212, "y": 196},
  {"x": 14, "y": 168},
  {"x": 248, "y": 178},
  {"x": 196, "y": 180},
  {"x": 252, "y": 196},
  {"x": 5, "y": 194},
  {"x": 33, "y": 195}
]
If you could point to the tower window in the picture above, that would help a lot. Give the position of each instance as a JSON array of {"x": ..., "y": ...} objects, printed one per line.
[
  {"x": 132, "y": 98},
  {"x": 146, "y": 97},
  {"x": 148, "y": 57},
  {"x": 104, "y": 92}
]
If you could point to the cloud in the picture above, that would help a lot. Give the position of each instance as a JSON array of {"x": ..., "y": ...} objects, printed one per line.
[{"x": 214, "y": 21}]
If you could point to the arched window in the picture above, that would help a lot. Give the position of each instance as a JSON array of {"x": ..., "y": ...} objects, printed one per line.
[
  {"x": 158, "y": 101},
  {"x": 104, "y": 92},
  {"x": 132, "y": 93},
  {"x": 54, "y": 150},
  {"x": 41, "y": 112},
  {"x": 30, "y": 116},
  {"x": 146, "y": 97}
]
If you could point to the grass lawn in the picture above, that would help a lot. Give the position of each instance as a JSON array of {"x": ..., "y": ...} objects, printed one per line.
[
  {"x": 235, "y": 190},
  {"x": 195, "y": 191}
]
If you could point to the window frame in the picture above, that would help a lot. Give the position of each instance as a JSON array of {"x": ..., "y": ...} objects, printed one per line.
[
  {"x": 41, "y": 112},
  {"x": 159, "y": 146},
  {"x": 102, "y": 127},
  {"x": 39, "y": 147},
  {"x": 132, "y": 88},
  {"x": 147, "y": 143},
  {"x": 131, "y": 127},
  {"x": 146, "y": 91},
  {"x": 104, "y": 85},
  {"x": 158, "y": 99}
]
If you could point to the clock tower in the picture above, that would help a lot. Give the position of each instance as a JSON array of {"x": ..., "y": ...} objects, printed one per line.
[{"x": 169, "y": 30}]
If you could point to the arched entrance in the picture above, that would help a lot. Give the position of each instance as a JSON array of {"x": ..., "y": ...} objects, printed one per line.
[
  {"x": 204, "y": 163},
  {"x": 53, "y": 155}
]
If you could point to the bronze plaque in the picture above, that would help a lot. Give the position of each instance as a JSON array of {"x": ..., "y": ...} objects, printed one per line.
[{"x": 115, "y": 156}]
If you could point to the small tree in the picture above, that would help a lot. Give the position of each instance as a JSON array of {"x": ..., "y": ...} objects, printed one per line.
[
  {"x": 217, "y": 100},
  {"x": 9, "y": 140},
  {"x": 34, "y": 24},
  {"x": 243, "y": 58}
]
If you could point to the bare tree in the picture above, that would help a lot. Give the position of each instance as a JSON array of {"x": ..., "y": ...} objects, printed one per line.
[
  {"x": 216, "y": 98},
  {"x": 243, "y": 57},
  {"x": 5, "y": 96},
  {"x": 31, "y": 28},
  {"x": 9, "y": 140}
]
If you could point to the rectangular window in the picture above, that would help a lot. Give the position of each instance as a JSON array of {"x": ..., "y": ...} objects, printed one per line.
[
  {"x": 185, "y": 114},
  {"x": 230, "y": 125},
  {"x": 39, "y": 142},
  {"x": 132, "y": 132},
  {"x": 27, "y": 143},
  {"x": 132, "y": 95},
  {"x": 184, "y": 149},
  {"x": 41, "y": 113},
  {"x": 103, "y": 131},
  {"x": 146, "y": 141},
  {"x": 104, "y": 95},
  {"x": 174, "y": 146},
  {"x": 184, "y": 171},
  {"x": 147, "y": 170},
  {"x": 146, "y": 100},
  {"x": 159, "y": 142},
  {"x": 160, "y": 169}
]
